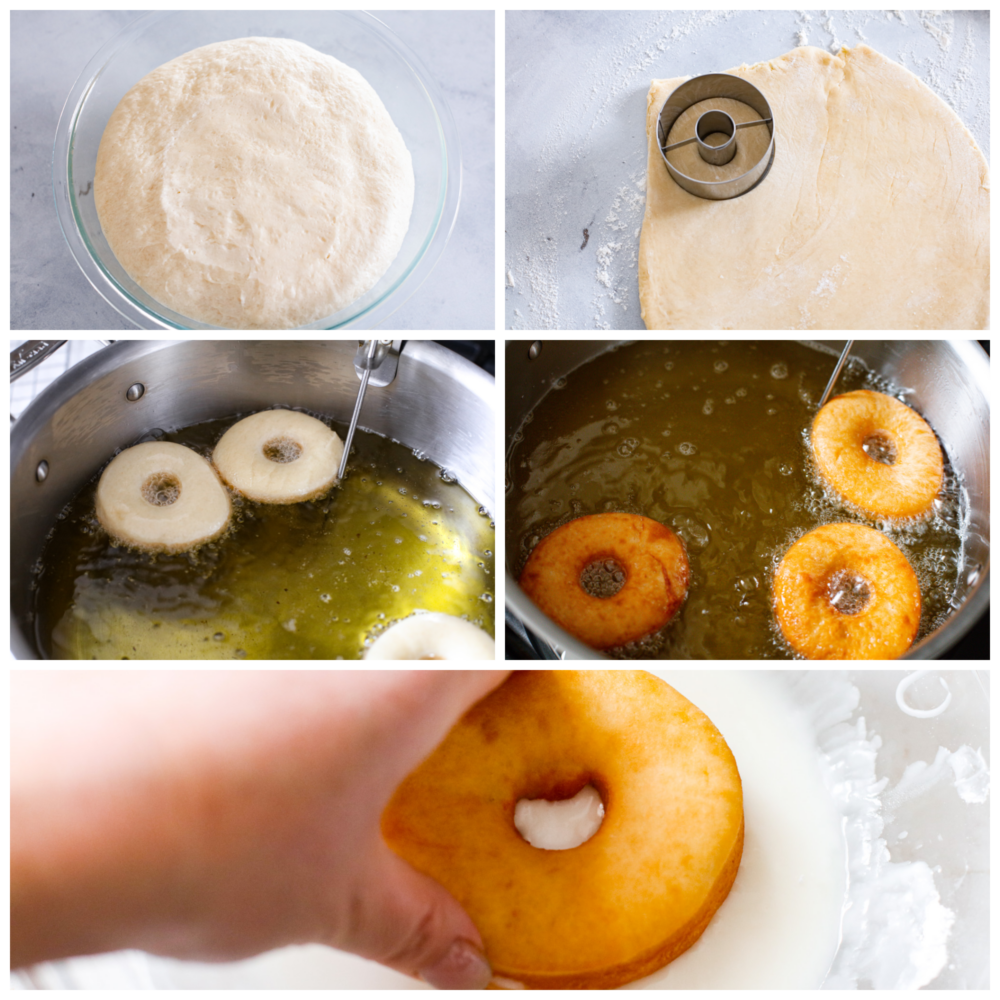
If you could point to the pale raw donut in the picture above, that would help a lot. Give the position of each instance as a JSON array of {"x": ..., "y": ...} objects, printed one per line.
[
  {"x": 878, "y": 453},
  {"x": 162, "y": 497},
  {"x": 845, "y": 592},
  {"x": 279, "y": 456},
  {"x": 635, "y": 895},
  {"x": 432, "y": 636}
]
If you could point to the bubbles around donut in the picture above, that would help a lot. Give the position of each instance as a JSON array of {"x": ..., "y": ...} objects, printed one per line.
[
  {"x": 846, "y": 592},
  {"x": 878, "y": 454},
  {"x": 608, "y": 579},
  {"x": 279, "y": 456},
  {"x": 632, "y": 897},
  {"x": 162, "y": 497},
  {"x": 432, "y": 636}
]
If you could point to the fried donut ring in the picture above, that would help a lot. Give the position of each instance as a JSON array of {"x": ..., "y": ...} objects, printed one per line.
[
  {"x": 651, "y": 556},
  {"x": 845, "y": 592},
  {"x": 279, "y": 456},
  {"x": 162, "y": 497},
  {"x": 878, "y": 453},
  {"x": 432, "y": 636},
  {"x": 635, "y": 895}
]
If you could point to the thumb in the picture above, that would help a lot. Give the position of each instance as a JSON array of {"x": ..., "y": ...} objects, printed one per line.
[{"x": 407, "y": 921}]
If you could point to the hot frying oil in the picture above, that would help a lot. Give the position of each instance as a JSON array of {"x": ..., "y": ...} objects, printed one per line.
[
  {"x": 290, "y": 581},
  {"x": 713, "y": 441}
]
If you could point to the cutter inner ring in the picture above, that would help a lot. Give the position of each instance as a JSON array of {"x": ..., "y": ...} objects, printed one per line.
[{"x": 711, "y": 123}]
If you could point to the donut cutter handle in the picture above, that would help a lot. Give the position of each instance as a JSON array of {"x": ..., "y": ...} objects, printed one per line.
[
  {"x": 715, "y": 120},
  {"x": 376, "y": 362}
]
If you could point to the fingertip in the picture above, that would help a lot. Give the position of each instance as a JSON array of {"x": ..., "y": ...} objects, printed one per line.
[{"x": 462, "y": 967}]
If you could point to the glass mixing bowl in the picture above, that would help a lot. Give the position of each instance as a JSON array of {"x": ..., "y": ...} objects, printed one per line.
[{"x": 357, "y": 39}]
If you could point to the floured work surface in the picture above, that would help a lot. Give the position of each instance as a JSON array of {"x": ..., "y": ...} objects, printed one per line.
[{"x": 874, "y": 215}]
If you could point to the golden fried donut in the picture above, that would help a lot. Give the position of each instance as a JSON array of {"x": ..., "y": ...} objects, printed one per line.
[
  {"x": 279, "y": 456},
  {"x": 878, "y": 453},
  {"x": 647, "y": 554},
  {"x": 162, "y": 497},
  {"x": 845, "y": 592},
  {"x": 432, "y": 636},
  {"x": 635, "y": 895}
]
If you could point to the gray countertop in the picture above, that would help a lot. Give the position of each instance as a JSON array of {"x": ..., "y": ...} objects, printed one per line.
[
  {"x": 576, "y": 85},
  {"x": 50, "y": 48}
]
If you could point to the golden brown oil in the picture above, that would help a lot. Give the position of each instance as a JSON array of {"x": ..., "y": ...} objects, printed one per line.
[
  {"x": 291, "y": 581},
  {"x": 710, "y": 439}
]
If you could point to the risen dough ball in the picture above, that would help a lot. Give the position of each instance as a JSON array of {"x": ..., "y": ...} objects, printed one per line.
[
  {"x": 642, "y": 889},
  {"x": 163, "y": 497},
  {"x": 432, "y": 636},
  {"x": 875, "y": 213},
  {"x": 279, "y": 456},
  {"x": 254, "y": 184}
]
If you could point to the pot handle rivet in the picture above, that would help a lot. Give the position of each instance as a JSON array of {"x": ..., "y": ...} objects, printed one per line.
[
  {"x": 42, "y": 471},
  {"x": 534, "y": 350},
  {"x": 135, "y": 392}
]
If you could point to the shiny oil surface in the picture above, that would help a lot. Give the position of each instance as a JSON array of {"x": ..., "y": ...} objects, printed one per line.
[
  {"x": 296, "y": 581},
  {"x": 710, "y": 439}
]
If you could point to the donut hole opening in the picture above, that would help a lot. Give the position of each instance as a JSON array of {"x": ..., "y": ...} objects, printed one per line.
[
  {"x": 560, "y": 824},
  {"x": 848, "y": 592},
  {"x": 161, "y": 489},
  {"x": 603, "y": 577},
  {"x": 881, "y": 448},
  {"x": 282, "y": 450}
]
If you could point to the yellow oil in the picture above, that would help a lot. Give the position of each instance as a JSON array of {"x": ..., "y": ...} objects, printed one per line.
[
  {"x": 298, "y": 581},
  {"x": 710, "y": 439}
]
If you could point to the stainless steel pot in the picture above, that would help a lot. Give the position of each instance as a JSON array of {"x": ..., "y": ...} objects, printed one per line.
[
  {"x": 950, "y": 383},
  {"x": 439, "y": 404}
]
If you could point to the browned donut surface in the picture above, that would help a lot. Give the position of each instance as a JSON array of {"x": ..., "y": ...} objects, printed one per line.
[
  {"x": 878, "y": 453},
  {"x": 845, "y": 592},
  {"x": 646, "y": 554},
  {"x": 636, "y": 894}
]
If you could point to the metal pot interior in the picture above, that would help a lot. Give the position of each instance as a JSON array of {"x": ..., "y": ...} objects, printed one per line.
[
  {"x": 949, "y": 384},
  {"x": 439, "y": 405}
]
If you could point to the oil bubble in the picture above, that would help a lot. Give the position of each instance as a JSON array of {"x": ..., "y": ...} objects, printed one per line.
[
  {"x": 779, "y": 370},
  {"x": 720, "y": 366},
  {"x": 709, "y": 407},
  {"x": 325, "y": 598},
  {"x": 686, "y": 448},
  {"x": 560, "y": 383}
]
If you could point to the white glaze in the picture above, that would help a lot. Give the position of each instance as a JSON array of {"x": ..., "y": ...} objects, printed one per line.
[
  {"x": 918, "y": 713},
  {"x": 560, "y": 825}
]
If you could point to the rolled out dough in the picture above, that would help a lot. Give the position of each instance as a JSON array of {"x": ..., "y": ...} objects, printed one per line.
[
  {"x": 254, "y": 184},
  {"x": 874, "y": 215}
]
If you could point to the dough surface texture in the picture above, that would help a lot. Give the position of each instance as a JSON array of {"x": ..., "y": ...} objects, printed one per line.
[
  {"x": 254, "y": 184},
  {"x": 874, "y": 215}
]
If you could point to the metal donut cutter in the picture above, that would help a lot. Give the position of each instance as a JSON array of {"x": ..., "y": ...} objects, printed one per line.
[{"x": 704, "y": 88}]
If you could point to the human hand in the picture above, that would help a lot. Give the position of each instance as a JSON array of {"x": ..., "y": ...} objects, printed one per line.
[{"x": 216, "y": 814}]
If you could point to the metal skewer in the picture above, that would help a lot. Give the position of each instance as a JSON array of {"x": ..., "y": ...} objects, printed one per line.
[
  {"x": 836, "y": 373},
  {"x": 370, "y": 355}
]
